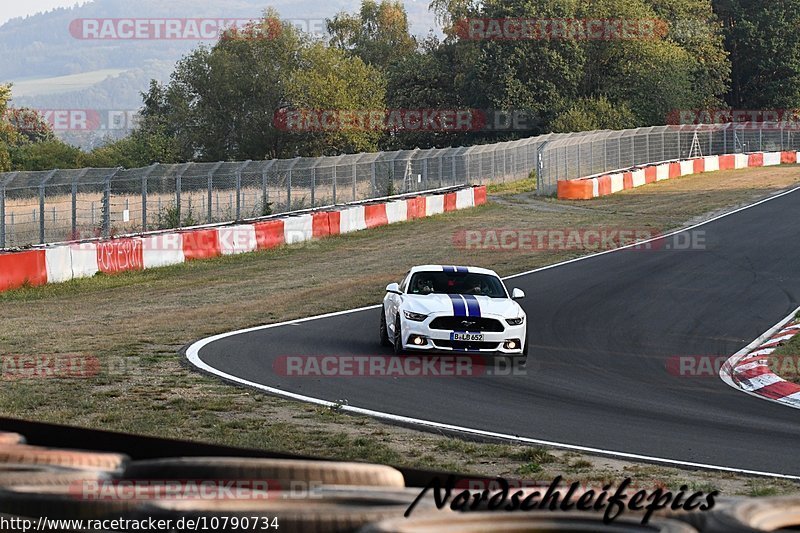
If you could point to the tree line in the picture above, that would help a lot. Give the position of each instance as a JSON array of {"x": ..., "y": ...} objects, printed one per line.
[{"x": 229, "y": 101}]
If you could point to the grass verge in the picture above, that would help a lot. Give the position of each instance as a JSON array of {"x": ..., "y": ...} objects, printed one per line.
[{"x": 133, "y": 324}]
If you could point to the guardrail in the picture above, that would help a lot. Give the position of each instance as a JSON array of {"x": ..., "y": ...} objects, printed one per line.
[
  {"x": 605, "y": 184},
  {"x": 60, "y": 263},
  {"x": 63, "y": 205}
]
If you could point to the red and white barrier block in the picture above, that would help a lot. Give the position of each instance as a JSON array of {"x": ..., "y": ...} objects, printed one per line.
[
  {"x": 603, "y": 185},
  {"x": 754, "y": 372},
  {"x": 56, "y": 264}
]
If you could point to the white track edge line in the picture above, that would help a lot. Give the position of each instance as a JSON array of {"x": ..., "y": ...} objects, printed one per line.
[{"x": 193, "y": 356}]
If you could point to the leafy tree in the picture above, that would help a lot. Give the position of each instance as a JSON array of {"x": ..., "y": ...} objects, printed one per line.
[
  {"x": 555, "y": 78},
  {"x": 45, "y": 155},
  {"x": 589, "y": 114},
  {"x": 221, "y": 102},
  {"x": 330, "y": 80},
  {"x": 8, "y": 135},
  {"x": 764, "y": 47},
  {"x": 378, "y": 34}
]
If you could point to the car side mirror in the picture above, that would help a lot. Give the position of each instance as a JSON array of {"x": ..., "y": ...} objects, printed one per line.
[
  {"x": 393, "y": 288},
  {"x": 517, "y": 294}
]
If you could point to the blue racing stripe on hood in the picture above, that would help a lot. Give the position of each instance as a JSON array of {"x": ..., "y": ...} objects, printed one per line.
[
  {"x": 473, "y": 307},
  {"x": 459, "y": 308}
]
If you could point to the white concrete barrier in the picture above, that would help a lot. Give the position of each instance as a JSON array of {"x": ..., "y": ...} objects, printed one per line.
[
  {"x": 84, "y": 260},
  {"x": 352, "y": 219},
  {"x": 298, "y": 229},
  {"x": 741, "y": 161},
  {"x": 58, "y": 261},
  {"x": 712, "y": 163},
  {"x": 162, "y": 250},
  {"x": 617, "y": 183},
  {"x": 397, "y": 211},
  {"x": 434, "y": 205},
  {"x": 772, "y": 159}
]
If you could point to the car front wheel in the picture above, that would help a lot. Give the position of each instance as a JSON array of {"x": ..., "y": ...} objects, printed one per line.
[
  {"x": 398, "y": 337},
  {"x": 384, "y": 332}
]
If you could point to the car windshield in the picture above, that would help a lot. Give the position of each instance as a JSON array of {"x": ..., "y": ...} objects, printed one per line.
[{"x": 456, "y": 283}]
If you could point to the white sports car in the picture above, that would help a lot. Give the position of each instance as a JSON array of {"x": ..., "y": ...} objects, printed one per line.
[{"x": 453, "y": 309}]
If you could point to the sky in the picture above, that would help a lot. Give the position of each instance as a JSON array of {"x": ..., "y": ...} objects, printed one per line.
[{"x": 12, "y": 8}]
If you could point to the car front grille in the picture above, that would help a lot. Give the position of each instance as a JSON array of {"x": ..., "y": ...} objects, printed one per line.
[
  {"x": 465, "y": 323},
  {"x": 465, "y": 345}
]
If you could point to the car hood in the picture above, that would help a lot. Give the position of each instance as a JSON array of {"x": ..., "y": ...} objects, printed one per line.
[{"x": 443, "y": 304}]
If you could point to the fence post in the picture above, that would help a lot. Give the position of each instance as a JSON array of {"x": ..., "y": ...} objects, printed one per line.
[
  {"x": 41, "y": 204},
  {"x": 74, "y": 206},
  {"x": 107, "y": 204},
  {"x": 289, "y": 191},
  {"x": 265, "y": 184},
  {"x": 761, "y": 138},
  {"x": 2, "y": 215},
  {"x": 633, "y": 151},
  {"x": 725, "y": 141},
  {"x": 313, "y": 186},
  {"x": 540, "y": 165},
  {"x": 211, "y": 188},
  {"x": 178, "y": 186},
  {"x": 146, "y": 175},
  {"x": 355, "y": 171},
  {"x": 74, "y": 209},
  {"x": 374, "y": 178}
]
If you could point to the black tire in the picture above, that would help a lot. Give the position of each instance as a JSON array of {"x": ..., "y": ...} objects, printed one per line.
[
  {"x": 525, "y": 348},
  {"x": 384, "y": 330},
  {"x": 398, "y": 337}
]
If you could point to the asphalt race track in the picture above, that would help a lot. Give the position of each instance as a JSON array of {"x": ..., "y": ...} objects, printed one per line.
[{"x": 602, "y": 331}]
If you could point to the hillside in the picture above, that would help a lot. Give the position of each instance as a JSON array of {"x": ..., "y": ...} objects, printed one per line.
[{"x": 51, "y": 69}]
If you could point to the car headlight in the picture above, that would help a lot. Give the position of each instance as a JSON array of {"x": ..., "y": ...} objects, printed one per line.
[
  {"x": 515, "y": 321},
  {"x": 416, "y": 317}
]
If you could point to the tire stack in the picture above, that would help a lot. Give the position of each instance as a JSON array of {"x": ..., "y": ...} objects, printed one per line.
[
  {"x": 38, "y": 481},
  {"x": 306, "y": 496}
]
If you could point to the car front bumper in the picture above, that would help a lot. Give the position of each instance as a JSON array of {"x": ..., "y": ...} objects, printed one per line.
[{"x": 439, "y": 340}]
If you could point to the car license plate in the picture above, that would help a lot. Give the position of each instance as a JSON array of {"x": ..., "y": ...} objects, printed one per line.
[{"x": 471, "y": 337}]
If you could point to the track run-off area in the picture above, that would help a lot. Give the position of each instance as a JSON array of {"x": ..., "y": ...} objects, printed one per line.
[{"x": 605, "y": 333}]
